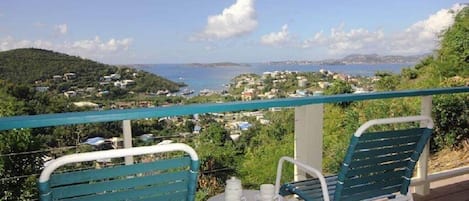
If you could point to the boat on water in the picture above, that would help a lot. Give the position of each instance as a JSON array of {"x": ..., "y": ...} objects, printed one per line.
[
  {"x": 162, "y": 92},
  {"x": 204, "y": 92},
  {"x": 187, "y": 91}
]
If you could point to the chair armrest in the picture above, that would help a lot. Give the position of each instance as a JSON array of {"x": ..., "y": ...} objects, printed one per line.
[
  {"x": 114, "y": 153},
  {"x": 304, "y": 167}
]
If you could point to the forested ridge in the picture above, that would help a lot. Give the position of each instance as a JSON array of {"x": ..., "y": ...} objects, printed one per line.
[{"x": 36, "y": 67}]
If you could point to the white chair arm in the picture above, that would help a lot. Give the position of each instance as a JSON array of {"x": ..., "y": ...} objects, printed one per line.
[{"x": 304, "y": 167}]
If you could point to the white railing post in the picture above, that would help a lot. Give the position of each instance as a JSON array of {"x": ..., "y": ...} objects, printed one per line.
[
  {"x": 308, "y": 137},
  {"x": 127, "y": 130},
  {"x": 422, "y": 165}
]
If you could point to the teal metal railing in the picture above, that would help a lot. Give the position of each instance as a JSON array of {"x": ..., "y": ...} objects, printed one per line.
[
  {"x": 304, "y": 131},
  {"x": 34, "y": 121}
]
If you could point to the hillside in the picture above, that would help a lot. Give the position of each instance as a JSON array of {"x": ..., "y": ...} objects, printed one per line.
[
  {"x": 379, "y": 59},
  {"x": 45, "y": 68},
  {"x": 358, "y": 59}
]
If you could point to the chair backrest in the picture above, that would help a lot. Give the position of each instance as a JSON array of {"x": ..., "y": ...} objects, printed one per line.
[
  {"x": 381, "y": 163},
  {"x": 168, "y": 179}
]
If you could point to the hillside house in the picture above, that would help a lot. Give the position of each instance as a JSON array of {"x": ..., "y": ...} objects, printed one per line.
[
  {"x": 42, "y": 89},
  {"x": 341, "y": 77},
  {"x": 303, "y": 82},
  {"x": 248, "y": 94},
  {"x": 324, "y": 85},
  {"x": 86, "y": 104},
  {"x": 70, "y": 76},
  {"x": 115, "y": 76},
  {"x": 57, "y": 78},
  {"x": 128, "y": 82},
  {"x": 107, "y": 78},
  {"x": 69, "y": 94}
]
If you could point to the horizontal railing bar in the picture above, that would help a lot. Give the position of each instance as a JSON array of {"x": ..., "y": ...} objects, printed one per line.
[
  {"x": 44, "y": 120},
  {"x": 446, "y": 174}
]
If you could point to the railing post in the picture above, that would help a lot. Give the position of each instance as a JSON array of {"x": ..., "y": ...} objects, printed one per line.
[
  {"x": 127, "y": 130},
  {"x": 422, "y": 165},
  {"x": 308, "y": 137}
]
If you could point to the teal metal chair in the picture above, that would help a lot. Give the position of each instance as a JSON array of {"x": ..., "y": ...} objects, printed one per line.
[
  {"x": 174, "y": 178},
  {"x": 376, "y": 165}
]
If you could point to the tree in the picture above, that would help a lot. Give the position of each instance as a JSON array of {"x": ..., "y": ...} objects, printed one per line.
[
  {"x": 339, "y": 87},
  {"x": 17, "y": 169},
  {"x": 409, "y": 73},
  {"x": 454, "y": 49},
  {"x": 265, "y": 145},
  {"x": 451, "y": 125},
  {"x": 388, "y": 83}
]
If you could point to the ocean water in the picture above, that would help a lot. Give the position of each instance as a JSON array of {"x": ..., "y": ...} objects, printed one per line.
[{"x": 216, "y": 78}]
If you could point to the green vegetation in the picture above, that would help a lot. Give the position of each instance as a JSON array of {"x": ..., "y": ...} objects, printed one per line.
[{"x": 37, "y": 67}]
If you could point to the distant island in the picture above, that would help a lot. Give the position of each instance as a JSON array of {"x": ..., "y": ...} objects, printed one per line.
[
  {"x": 358, "y": 59},
  {"x": 218, "y": 64}
]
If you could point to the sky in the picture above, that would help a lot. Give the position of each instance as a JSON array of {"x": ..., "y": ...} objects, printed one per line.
[{"x": 186, "y": 31}]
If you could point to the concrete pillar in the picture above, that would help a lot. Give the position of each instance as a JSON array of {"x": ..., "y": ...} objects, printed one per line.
[
  {"x": 127, "y": 130},
  {"x": 308, "y": 137},
  {"x": 422, "y": 165}
]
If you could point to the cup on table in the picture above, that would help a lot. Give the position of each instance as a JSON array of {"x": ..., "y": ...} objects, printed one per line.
[
  {"x": 267, "y": 193},
  {"x": 234, "y": 190}
]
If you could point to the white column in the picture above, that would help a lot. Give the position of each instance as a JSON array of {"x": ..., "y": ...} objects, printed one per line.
[
  {"x": 127, "y": 130},
  {"x": 308, "y": 137},
  {"x": 422, "y": 165}
]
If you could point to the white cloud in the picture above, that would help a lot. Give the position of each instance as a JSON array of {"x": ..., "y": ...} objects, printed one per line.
[
  {"x": 236, "y": 20},
  {"x": 96, "y": 44},
  {"x": 421, "y": 37},
  {"x": 318, "y": 39},
  {"x": 340, "y": 41},
  {"x": 61, "y": 28},
  {"x": 94, "y": 48},
  {"x": 277, "y": 38}
]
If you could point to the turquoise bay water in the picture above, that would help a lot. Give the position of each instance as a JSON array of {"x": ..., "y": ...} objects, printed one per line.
[{"x": 215, "y": 78}]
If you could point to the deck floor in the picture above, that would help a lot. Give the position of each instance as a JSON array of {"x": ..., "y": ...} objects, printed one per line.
[{"x": 453, "y": 189}]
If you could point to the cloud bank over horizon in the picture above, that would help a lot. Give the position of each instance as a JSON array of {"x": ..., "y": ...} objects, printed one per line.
[
  {"x": 420, "y": 37},
  {"x": 89, "y": 48}
]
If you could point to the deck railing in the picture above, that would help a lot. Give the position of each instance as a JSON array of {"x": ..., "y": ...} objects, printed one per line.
[{"x": 308, "y": 122}]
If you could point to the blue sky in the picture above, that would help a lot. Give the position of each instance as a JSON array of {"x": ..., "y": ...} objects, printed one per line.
[{"x": 176, "y": 31}]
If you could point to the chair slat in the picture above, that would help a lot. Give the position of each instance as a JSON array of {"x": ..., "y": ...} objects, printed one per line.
[
  {"x": 153, "y": 191},
  {"x": 119, "y": 184},
  {"x": 383, "y": 151},
  {"x": 309, "y": 187},
  {"x": 387, "y": 142},
  {"x": 317, "y": 193},
  {"x": 177, "y": 196},
  {"x": 377, "y": 169},
  {"x": 315, "y": 187},
  {"x": 373, "y": 178},
  {"x": 376, "y": 186},
  {"x": 110, "y": 172},
  {"x": 380, "y": 159},
  {"x": 391, "y": 134}
]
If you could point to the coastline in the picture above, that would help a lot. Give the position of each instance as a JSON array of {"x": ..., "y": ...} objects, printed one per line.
[{"x": 199, "y": 78}]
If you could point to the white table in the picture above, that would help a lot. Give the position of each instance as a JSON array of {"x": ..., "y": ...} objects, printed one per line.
[{"x": 250, "y": 195}]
